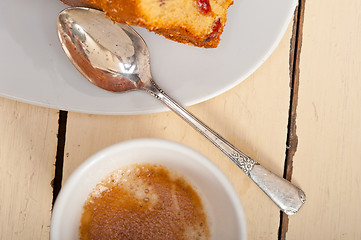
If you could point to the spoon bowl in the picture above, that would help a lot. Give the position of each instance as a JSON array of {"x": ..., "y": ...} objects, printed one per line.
[
  {"x": 114, "y": 57},
  {"x": 111, "y": 56}
]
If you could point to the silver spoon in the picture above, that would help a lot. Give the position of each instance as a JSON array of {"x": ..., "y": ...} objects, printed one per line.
[{"x": 114, "y": 57}]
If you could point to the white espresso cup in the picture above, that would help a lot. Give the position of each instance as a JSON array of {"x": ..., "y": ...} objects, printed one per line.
[{"x": 222, "y": 204}]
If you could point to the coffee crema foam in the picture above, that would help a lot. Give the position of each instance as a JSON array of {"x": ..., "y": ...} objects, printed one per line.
[{"x": 144, "y": 201}]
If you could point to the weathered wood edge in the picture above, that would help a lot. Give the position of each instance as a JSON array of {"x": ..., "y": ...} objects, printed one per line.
[{"x": 292, "y": 139}]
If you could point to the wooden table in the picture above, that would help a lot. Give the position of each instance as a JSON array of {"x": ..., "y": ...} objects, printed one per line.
[{"x": 299, "y": 114}]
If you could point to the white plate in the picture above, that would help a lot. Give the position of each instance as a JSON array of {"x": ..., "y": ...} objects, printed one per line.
[{"x": 35, "y": 70}]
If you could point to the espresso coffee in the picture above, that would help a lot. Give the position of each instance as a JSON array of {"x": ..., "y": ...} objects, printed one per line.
[{"x": 144, "y": 201}]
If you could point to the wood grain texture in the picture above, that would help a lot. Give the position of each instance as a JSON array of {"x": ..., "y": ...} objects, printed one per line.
[
  {"x": 253, "y": 116},
  {"x": 27, "y": 155},
  {"x": 328, "y": 158}
]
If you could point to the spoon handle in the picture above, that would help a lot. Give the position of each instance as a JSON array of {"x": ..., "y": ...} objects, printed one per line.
[{"x": 283, "y": 193}]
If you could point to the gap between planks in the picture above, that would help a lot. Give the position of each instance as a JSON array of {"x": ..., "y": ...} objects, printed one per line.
[
  {"x": 59, "y": 161},
  {"x": 292, "y": 139}
]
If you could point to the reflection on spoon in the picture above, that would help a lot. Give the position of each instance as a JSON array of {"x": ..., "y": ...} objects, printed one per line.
[{"x": 114, "y": 57}]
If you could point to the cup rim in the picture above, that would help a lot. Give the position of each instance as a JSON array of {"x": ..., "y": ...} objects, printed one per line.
[{"x": 76, "y": 176}]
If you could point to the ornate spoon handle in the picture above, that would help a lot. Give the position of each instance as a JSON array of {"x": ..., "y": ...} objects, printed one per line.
[{"x": 283, "y": 193}]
